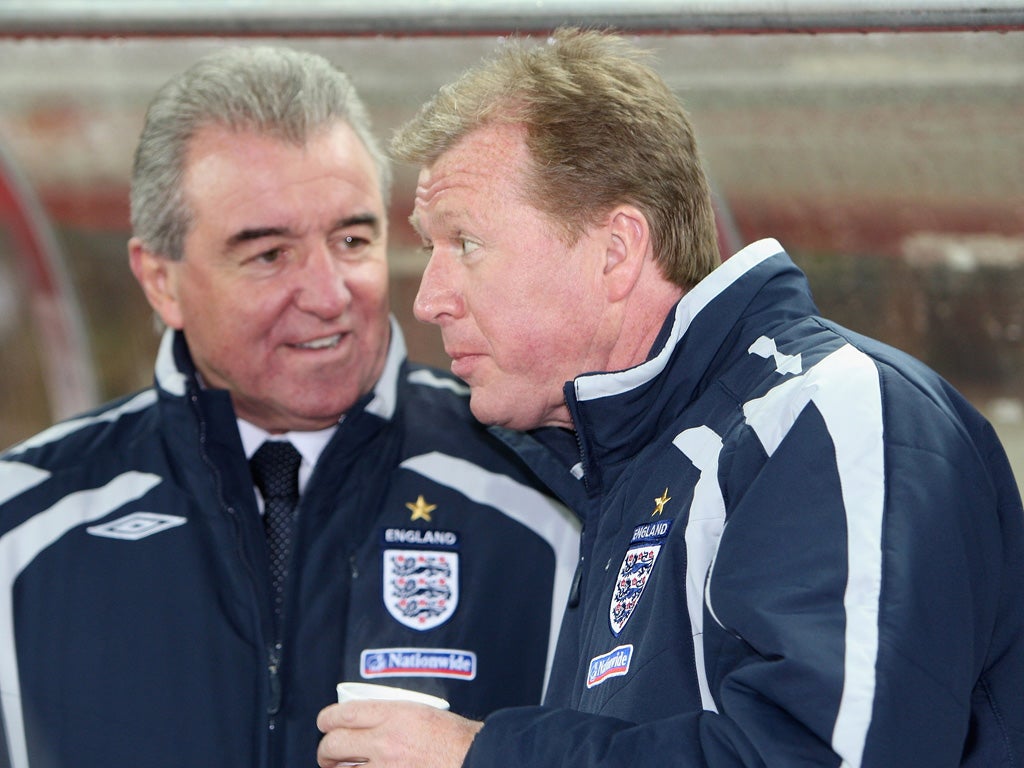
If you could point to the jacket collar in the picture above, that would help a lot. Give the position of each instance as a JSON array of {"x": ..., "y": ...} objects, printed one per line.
[{"x": 617, "y": 413}]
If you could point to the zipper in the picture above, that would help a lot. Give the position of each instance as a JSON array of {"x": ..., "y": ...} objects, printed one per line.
[
  {"x": 274, "y": 673},
  {"x": 274, "y": 686}
]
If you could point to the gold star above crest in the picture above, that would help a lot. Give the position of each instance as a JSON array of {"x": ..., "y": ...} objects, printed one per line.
[
  {"x": 420, "y": 510},
  {"x": 660, "y": 502}
]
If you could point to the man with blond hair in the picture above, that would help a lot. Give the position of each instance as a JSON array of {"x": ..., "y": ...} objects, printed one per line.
[{"x": 801, "y": 546}]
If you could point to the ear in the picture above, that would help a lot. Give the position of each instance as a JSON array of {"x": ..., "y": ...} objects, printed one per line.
[
  {"x": 629, "y": 244},
  {"x": 156, "y": 274}
]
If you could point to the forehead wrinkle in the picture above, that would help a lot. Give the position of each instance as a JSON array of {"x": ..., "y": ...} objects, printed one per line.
[{"x": 438, "y": 219}]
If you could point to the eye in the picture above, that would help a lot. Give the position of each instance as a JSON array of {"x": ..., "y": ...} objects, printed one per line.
[
  {"x": 269, "y": 256},
  {"x": 353, "y": 244},
  {"x": 354, "y": 241},
  {"x": 468, "y": 246}
]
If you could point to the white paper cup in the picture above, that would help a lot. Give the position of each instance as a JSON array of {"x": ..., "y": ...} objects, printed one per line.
[{"x": 354, "y": 691}]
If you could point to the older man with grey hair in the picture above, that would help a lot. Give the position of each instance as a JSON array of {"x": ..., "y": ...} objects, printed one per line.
[{"x": 191, "y": 570}]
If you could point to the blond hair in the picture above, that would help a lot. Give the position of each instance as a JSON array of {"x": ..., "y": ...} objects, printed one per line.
[{"x": 602, "y": 128}]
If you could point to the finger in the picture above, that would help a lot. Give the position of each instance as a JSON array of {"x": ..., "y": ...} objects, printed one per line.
[
  {"x": 330, "y": 717},
  {"x": 352, "y": 714},
  {"x": 369, "y": 713},
  {"x": 336, "y": 749}
]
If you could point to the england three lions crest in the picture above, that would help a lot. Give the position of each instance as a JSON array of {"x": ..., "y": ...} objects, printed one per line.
[
  {"x": 635, "y": 571},
  {"x": 421, "y": 586}
]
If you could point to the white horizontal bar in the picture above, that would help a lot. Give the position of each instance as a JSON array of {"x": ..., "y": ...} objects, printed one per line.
[{"x": 21, "y": 18}]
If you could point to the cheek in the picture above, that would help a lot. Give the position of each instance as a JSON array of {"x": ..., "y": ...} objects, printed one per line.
[
  {"x": 231, "y": 309},
  {"x": 233, "y": 324},
  {"x": 559, "y": 335},
  {"x": 369, "y": 289},
  {"x": 196, "y": 305},
  {"x": 533, "y": 339}
]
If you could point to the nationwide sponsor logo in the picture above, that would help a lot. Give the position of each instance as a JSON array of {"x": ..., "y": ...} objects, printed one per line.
[
  {"x": 421, "y": 586},
  {"x": 615, "y": 663},
  {"x": 417, "y": 662},
  {"x": 137, "y": 525}
]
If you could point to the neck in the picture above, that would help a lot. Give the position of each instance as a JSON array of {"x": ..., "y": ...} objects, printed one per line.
[{"x": 644, "y": 316}]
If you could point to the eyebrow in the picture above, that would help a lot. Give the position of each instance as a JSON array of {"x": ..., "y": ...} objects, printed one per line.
[
  {"x": 442, "y": 218},
  {"x": 257, "y": 233}
]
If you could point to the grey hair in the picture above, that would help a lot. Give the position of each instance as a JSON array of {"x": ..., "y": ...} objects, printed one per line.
[{"x": 278, "y": 92}]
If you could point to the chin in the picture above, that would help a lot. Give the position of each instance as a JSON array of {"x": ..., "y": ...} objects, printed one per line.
[
  {"x": 313, "y": 416},
  {"x": 484, "y": 412},
  {"x": 499, "y": 415}
]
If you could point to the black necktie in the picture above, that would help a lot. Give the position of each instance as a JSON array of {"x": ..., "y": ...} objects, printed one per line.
[{"x": 275, "y": 471}]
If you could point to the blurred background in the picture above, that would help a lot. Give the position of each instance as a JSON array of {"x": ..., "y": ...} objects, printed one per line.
[{"x": 880, "y": 142}]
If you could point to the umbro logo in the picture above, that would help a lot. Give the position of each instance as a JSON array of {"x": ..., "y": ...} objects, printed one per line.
[{"x": 137, "y": 525}]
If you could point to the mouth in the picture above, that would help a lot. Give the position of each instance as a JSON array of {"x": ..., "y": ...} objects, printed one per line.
[
  {"x": 463, "y": 363},
  {"x": 456, "y": 352},
  {"x": 324, "y": 342}
]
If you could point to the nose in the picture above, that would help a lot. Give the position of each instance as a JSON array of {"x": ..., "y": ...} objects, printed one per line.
[
  {"x": 438, "y": 299},
  {"x": 323, "y": 288}
]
